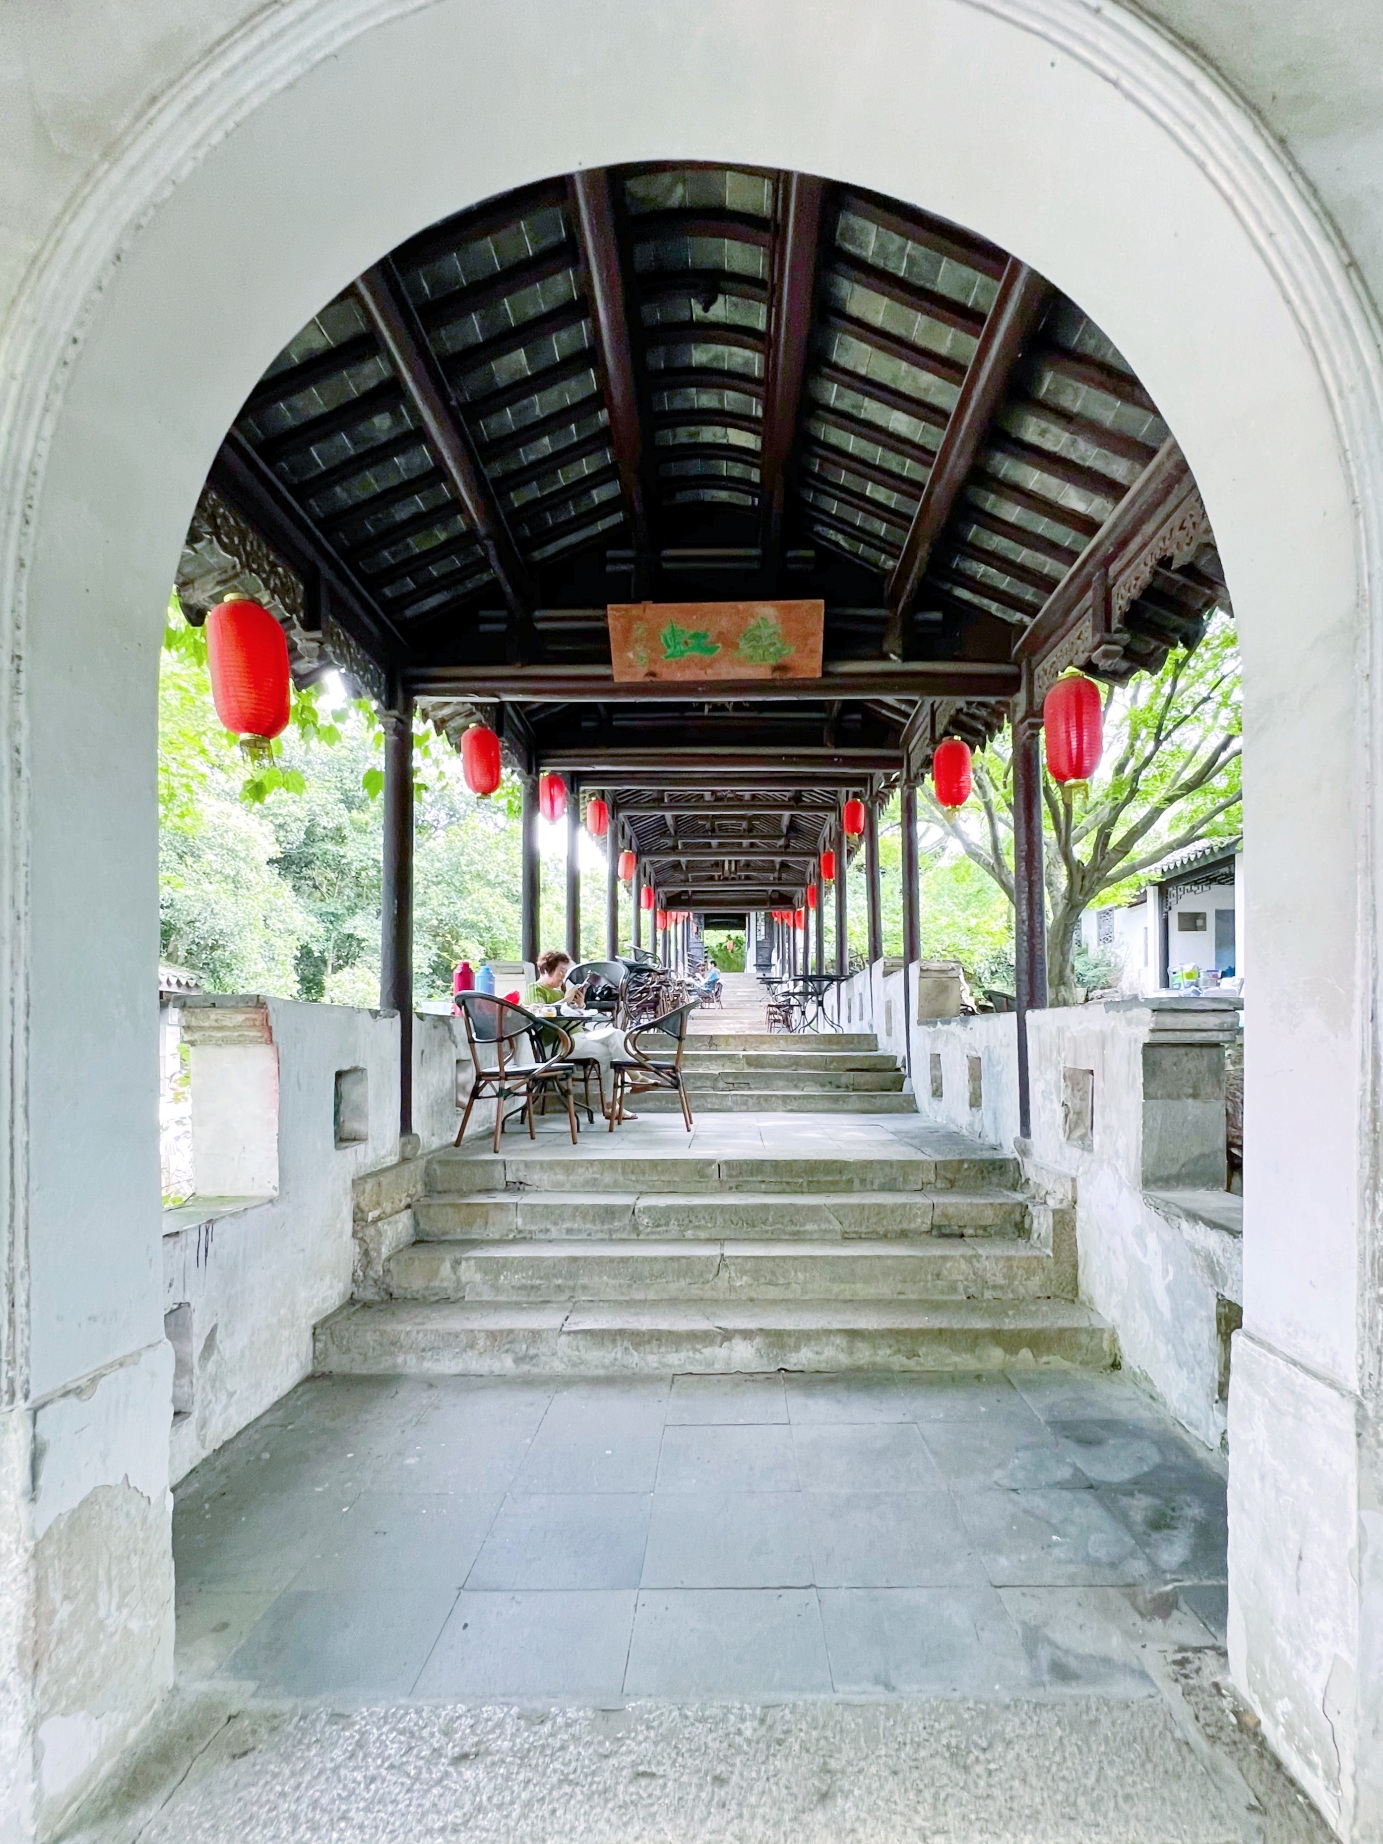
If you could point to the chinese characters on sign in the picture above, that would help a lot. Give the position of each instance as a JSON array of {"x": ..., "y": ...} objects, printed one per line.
[{"x": 716, "y": 640}]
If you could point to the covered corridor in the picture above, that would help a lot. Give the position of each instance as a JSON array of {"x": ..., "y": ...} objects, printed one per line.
[{"x": 549, "y": 371}]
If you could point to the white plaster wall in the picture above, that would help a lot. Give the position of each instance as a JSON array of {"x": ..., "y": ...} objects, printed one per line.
[
  {"x": 1031, "y": 120},
  {"x": 259, "y": 1278},
  {"x": 1139, "y": 1267}
]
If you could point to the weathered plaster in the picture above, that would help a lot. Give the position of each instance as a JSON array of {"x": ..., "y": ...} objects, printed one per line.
[{"x": 1295, "y": 1621}]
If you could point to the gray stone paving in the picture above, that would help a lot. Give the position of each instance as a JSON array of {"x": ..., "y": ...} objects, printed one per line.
[
  {"x": 739, "y": 1609},
  {"x": 700, "y": 1538}
]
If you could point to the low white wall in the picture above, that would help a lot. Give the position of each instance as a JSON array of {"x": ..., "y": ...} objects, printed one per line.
[
  {"x": 247, "y": 1277},
  {"x": 1148, "y": 1264}
]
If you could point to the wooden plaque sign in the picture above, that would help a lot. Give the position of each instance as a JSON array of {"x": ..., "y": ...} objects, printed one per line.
[{"x": 715, "y": 640}]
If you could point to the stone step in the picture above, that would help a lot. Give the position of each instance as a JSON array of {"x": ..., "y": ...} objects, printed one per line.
[
  {"x": 606, "y": 1337},
  {"x": 522, "y": 1166},
  {"x": 778, "y": 1098},
  {"x": 776, "y": 1061},
  {"x": 712, "y": 1216},
  {"x": 924, "y": 1269},
  {"x": 816, "y": 1081},
  {"x": 786, "y": 1041}
]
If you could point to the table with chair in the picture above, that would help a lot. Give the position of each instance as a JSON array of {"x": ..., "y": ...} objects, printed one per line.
[{"x": 525, "y": 1055}]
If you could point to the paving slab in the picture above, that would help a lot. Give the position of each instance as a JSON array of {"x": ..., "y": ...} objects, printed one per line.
[{"x": 727, "y": 1643}]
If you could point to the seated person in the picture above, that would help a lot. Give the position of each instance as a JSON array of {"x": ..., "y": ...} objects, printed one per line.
[
  {"x": 711, "y": 977},
  {"x": 550, "y": 986},
  {"x": 591, "y": 1042}
]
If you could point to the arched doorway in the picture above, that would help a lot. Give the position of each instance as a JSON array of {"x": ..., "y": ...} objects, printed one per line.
[{"x": 1088, "y": 148}]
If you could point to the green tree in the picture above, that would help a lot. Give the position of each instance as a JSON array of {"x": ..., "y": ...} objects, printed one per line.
[{"x": 1169, "y": 778}]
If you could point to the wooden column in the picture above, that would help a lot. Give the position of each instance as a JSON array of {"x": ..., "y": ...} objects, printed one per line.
[
  {"x": 574, "y": 871},
  {"x": 842, "y": 902},
  {"x": 912, "y": 921},
  {"x": 1030, "y": 916},
  {"x": 612, "y": 886},
  {"x": 636, "y": 893},
  {"x": 871, "y": 875},
  {"x": 530, "y": 874},
  {"x": 396, "y": 919},
  {"x": 820, "y": 926}
]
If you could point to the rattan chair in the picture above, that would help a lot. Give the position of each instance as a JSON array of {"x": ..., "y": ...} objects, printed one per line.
[
  {"x": 635, "y": 1073},
  {"x": 509, "y": 1060}
]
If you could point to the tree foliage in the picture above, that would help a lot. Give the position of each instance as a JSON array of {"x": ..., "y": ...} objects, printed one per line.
[{"x": 1169, "y": 778}]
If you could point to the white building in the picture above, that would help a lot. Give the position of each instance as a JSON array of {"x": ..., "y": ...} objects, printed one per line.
[{"x": 1186, "y": 916}]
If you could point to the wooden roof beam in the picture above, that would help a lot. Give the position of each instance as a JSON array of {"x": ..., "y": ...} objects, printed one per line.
[
  {"x": 595, "y": 685},
  {"x": 390, "y": 313},
  {"x": 593, "y": 209},
  {"x": 789, "y": 341},
  {"x": 1022, "y": 295},
  {"x": 1160, "y": 520}
]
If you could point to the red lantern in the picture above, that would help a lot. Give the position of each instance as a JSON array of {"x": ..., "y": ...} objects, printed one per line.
[
  {"x": 627, "y": 863},
  {"x": 247, "y": 657},
  {"x": 951, "y": 775},
  {"x": 800, "y": 919},
  {"x": 552, "y": 797},
  {"x": 852, "y": 819},
  {"x": 646, "y": 896},
  {"x": 828, "y": 867},
  {"x": 662, "y": 921},
  {"x": 1073, "y": 723},
  {"x": 480, "y": 760},
  {"x": 811, "y": 896},
  {"x": 597, "y": 817}
]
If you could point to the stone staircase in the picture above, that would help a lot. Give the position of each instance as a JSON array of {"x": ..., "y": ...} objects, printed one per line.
[
  {"x": 826, "y": 1073},
  {"x": 633, "y": 1255}
]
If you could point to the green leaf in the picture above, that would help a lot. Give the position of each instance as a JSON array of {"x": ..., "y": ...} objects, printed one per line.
[{"x": 373, "y": 782}]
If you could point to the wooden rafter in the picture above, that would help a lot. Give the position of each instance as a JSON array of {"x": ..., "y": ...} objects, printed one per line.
[
  {"x": 593, "y": 209},
  {"x": 789, "y": 340},
  {"x": 260, "y": 497},
  {"x": 381, "y": 295},
  {"x": 1021, "y": 298}
]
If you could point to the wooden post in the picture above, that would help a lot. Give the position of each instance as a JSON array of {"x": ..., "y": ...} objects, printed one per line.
[
  {"x": 820, "y": 927},
  {"x": 636, "y": 927},
  {"x": 396, "y": 930},
  {"x": 842, "y": 902},
  {"x": 531, "y": 874},
  {"x": 1030, "y": 916},
  {"x": 574, "y": 871},
  {"x": 912, "y": 921},
  {"x": 612, "y": 886},
  {"x": 871, "y": 873}
]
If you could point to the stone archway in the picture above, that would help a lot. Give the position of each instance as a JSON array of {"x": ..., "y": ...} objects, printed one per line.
[{"x": 317, "y": 137}]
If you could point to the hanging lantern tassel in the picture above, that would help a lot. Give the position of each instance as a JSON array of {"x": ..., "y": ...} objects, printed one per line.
[
  {"x": 480, "y": 763},
  {"x": 247, "y": 659},
  {"x": 627, "y": 865},
  {"x": 952, "y": 775},
  {"x": 1073, "y": 725}
]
